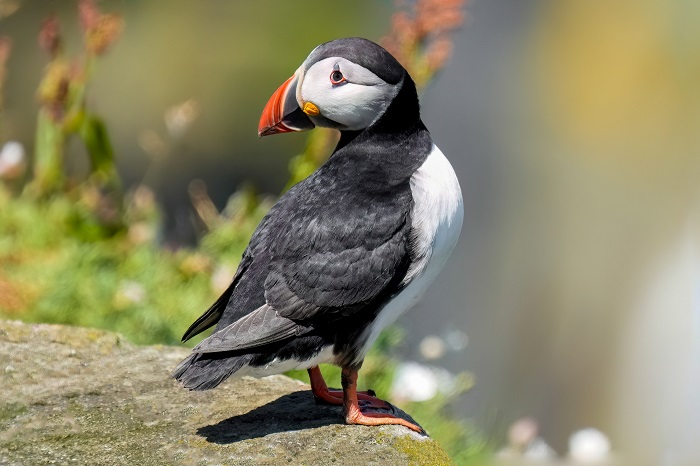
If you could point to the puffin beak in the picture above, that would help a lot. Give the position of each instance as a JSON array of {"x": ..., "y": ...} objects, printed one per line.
[{"x": 282, "y": 113}]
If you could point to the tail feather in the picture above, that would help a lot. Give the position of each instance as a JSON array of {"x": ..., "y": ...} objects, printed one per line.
[
  {"x": 206, "y": 371},
  {"x": 211, "y": 316}
]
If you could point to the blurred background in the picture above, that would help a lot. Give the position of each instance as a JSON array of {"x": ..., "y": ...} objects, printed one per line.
[{"x": 573, "y": 297}]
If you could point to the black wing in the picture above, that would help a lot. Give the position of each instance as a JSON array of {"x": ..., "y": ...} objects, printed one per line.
[
  {"x": 330, "y": 247},
  {"x": 338, "y": 261}
]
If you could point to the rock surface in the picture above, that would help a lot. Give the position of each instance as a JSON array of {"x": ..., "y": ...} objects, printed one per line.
[{"x": 83, "y": 396}]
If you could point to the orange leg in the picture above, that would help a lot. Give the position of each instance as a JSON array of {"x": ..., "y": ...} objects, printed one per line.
[
  {"x": 335, "y": 397},
  {"x": 353, "y": 413}
]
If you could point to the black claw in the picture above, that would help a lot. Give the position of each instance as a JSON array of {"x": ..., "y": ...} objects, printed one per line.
[{"x": 371, "y": 392}]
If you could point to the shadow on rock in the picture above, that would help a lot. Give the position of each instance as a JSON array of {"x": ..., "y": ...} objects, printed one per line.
[{"x": 294, "y": 411}]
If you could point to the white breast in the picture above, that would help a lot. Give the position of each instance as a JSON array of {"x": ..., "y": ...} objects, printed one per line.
[{"x": 437, "y": 222}]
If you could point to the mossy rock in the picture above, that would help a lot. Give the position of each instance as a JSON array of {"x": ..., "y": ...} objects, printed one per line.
[{"x": 83, "y": 396}]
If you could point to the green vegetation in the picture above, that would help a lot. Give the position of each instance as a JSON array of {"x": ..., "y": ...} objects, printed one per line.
[{"x": 61, "y": 264}]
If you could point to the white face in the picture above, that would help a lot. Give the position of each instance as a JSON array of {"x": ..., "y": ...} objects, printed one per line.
[{"x": 345, "y": 93}]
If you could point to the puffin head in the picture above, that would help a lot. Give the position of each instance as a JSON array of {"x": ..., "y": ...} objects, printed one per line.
[{"x": 345, "y": 84}]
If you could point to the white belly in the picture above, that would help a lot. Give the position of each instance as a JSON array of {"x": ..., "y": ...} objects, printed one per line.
[
  {"x": 437, "y": 221},
  {"x": 278, "y": 366}
]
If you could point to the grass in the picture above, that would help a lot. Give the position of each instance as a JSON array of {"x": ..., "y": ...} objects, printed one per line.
[{"x": 60, "y": 264}]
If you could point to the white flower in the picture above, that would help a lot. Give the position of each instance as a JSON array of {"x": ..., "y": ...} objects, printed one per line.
[
  {"x": 523, "y": 442},
  {"x": 11, "y": 160},
  {"x": 539, "y": 450},
  {"x": 130, "y": 292},
  {"x": 456, "y": 339},
  {"x": 414, "y": 382},
  {"x": 522, "y": 433},
  {"x": 588, "y": 445},
  {"x": 432, "y": 347}
]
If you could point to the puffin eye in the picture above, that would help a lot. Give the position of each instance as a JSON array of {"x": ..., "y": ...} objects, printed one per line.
[{"x": 337, "y": 77}]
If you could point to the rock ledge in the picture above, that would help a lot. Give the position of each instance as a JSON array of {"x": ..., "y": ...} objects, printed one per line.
[{"x": 82, "y": 396}]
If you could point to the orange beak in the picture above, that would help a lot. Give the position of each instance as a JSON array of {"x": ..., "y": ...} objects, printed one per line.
[{"x": 282, "y": 113}]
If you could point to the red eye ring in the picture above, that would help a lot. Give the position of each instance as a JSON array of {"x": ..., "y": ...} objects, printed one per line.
[{"x": 337, "y": 77}]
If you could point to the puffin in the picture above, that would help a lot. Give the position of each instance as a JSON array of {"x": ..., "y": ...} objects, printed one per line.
[{"x": 347, "y": 250}]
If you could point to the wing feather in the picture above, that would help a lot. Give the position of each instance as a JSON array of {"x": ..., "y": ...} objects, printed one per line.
[{"x": 259, "y": 328}]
